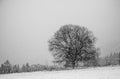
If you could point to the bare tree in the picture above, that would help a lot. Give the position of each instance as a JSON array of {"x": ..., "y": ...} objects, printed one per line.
[{"x": 72, "y": 44}]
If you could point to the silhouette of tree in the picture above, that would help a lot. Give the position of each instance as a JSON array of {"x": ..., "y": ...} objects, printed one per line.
[{"x": 72, "y": 44}]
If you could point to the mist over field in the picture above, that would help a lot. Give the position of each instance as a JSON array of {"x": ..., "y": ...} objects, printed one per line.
[
  {"x": 59, "y": 39},
  {"x": 27, "y": 25}
]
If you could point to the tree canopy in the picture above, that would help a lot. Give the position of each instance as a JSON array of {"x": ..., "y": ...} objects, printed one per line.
[{"x": 72, "y": 44}]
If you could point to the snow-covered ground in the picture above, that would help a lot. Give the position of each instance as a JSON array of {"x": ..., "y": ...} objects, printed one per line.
[{"x": 90, "y": 73}]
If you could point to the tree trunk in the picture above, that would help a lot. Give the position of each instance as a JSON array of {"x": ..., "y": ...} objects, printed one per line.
[{"x": 73, "y": 65}]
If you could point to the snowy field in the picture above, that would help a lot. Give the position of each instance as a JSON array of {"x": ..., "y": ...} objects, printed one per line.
[{"x": 90, "y": 73}]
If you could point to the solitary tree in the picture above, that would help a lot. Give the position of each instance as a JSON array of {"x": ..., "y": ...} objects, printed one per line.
[{"x": 72, "y": 44}]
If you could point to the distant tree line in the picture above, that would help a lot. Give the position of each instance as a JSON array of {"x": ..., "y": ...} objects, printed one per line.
[
  {"x": 111, "y": 59},
  {"x": 7, "y": 67}
]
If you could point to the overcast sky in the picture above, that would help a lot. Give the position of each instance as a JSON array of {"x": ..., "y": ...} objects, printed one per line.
[{"x": 27, "y": 25}]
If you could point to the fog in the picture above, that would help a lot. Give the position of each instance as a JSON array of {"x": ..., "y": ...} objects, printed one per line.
[{"x": 27, "y": 25}]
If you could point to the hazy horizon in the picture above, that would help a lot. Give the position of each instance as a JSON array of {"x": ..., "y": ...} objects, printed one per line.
[{"x": 27, "y": 25}]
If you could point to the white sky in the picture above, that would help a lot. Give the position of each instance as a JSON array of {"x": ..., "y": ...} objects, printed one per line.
[{"x": 27, "y": 25}]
